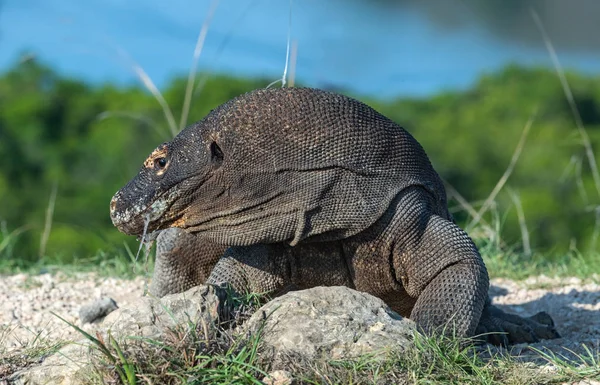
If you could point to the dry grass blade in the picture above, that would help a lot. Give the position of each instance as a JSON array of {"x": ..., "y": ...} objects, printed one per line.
[
  {"x": 596, "y": 232},
  {"x": 287, "y": 54},
  {"x": 223, "y": 44},
  {"x": 287, "y": 49},
  {"x": 570, "y": 99},
  {"x": 574, "y": 167},
  {"x": 7, "y": 237},
  {"x": 502, "y": 181},
  {"x": 490, "y": 232},
  {"x": 150, "y": 86},
  {"x": 452, "y": 192},
  {"x": 143, "y": 239},
  {"x": 568, "y": 169},
  {"x": 137, "y": 117},
  {"x": 293, "y": 59},
  {"x": 48, "y": 220},
  {"x": 192, "y": 73},
  {"x": 579, "y": 181},
  {"x": 522, "y": 224}
]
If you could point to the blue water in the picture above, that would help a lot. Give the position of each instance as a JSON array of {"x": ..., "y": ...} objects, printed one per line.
[{"x": 357, "y": 45}]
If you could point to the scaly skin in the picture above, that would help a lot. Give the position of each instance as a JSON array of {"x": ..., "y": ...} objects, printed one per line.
[
  {"x": 183, "y": 261},
  {"x": 312, "y": 188}
]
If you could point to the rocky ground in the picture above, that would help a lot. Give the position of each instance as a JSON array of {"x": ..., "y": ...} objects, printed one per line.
[
  {"x": 26, "y": 303},
  {"x": 573, "y": 304}
]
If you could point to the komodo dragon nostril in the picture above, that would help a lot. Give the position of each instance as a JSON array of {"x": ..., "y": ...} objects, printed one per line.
[{"x": 113, "y": 205}]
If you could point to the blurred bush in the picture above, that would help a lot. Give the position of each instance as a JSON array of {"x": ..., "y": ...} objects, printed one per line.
[{"x": 89, "y": 141}]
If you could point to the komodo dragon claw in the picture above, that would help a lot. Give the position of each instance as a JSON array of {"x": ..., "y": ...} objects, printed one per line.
[{"x": 500, "y": 328}]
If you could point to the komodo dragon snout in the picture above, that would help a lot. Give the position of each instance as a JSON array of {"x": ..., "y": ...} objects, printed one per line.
[{"x": 309, "y": 188}]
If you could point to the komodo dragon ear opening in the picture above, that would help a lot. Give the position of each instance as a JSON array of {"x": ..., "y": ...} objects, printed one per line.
[{"x": 216, "y": 154}]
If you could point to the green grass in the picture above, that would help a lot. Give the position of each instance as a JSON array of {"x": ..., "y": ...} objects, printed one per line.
[
  {"x": 188, "y": 353},
  {"x": 120, "y": 264},
  {"x": 503, "y": 263},
  {"x": 194, "y": 354},
  {"x": 29, "y": 353},
  {"x": 187, "y": 356}
]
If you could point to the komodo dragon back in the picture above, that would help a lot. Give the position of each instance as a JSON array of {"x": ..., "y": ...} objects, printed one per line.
[{"x": 278, "y": 165}]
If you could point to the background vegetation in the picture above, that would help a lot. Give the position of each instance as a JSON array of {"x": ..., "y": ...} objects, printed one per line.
[{"x": 66, "y": 147}]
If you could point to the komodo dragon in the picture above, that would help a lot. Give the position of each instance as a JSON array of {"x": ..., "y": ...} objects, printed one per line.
[{"x": 293, "y": 188}]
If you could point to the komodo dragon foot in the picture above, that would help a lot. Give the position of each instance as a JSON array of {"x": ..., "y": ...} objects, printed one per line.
[{"x": 500, "y": 328}]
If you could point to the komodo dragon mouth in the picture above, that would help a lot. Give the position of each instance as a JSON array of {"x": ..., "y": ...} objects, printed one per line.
[{"x": 142, "y": 217}]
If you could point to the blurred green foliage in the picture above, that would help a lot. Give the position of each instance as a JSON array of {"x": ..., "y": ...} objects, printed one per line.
[{"x": 89, "y": 141}]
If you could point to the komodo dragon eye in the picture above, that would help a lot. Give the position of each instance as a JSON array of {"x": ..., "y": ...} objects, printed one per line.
[{"x": 160, "y": 163}]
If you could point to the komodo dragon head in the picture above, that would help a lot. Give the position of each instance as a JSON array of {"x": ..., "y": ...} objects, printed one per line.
[{"x": 277, "y": 165}]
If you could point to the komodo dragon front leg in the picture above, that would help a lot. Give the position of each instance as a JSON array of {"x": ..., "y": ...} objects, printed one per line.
[{"x": 183, "y": 260}]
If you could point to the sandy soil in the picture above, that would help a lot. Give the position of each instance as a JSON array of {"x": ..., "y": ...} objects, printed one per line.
[
  {"x": 573, "y": 304},
  {"x": 26, "y": 303}
]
